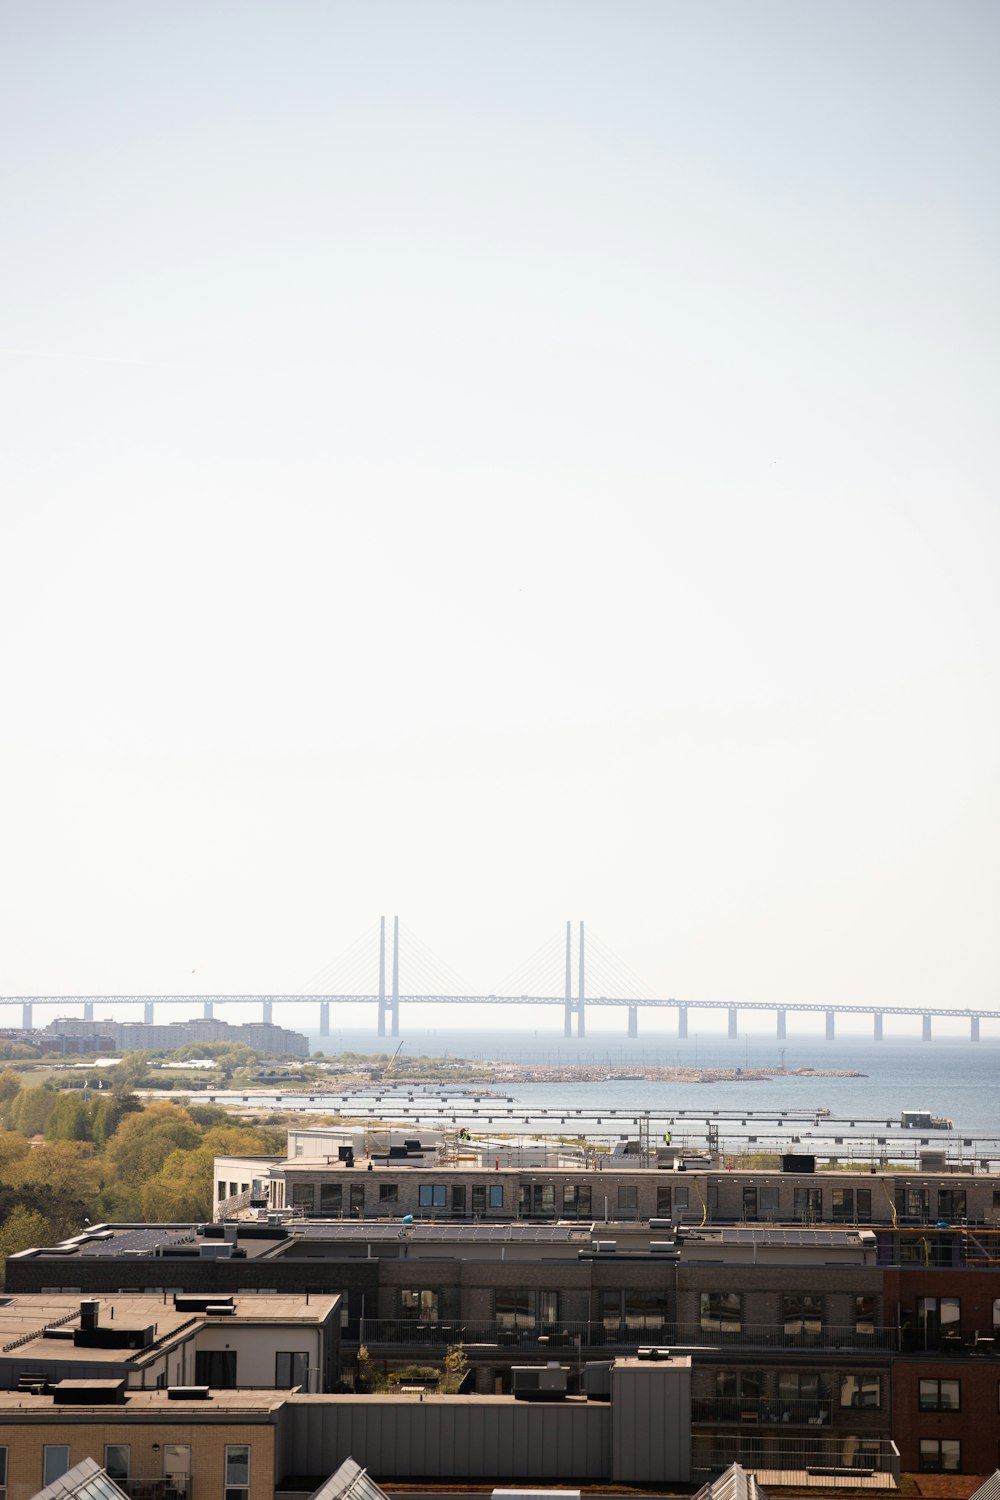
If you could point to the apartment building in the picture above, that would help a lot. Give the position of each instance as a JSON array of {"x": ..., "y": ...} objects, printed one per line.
[{"x": 150, "y": 1341}]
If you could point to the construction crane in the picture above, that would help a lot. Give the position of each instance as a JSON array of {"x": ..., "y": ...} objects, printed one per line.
[{"x": 391, "y": 1063}]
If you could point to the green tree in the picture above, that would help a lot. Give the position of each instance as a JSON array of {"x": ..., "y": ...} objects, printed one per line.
[
  {"x": 455, "y": 1369},
  {"x": 22, "y": 1228},
  {"x": 181, "y": 1190},
  {"x": 71, "y": 1118},
  {"x": 31, "y": 1108}
]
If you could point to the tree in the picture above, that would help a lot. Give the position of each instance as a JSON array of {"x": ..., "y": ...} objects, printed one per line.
[
  {"x": 22, "y": 1228},
  {"x": 138, "y": 1150},
  {"x": 10, "y": 1085},
  {"x": 71, "y": 1118},
  {"x": 455, "y": 1369},
  {"x": 31, "y": 1108},
  {"x": 182, "y": 1190}
]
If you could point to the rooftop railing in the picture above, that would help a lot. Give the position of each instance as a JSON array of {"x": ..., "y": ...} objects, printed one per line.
[{"x": 627, "y": 1333}]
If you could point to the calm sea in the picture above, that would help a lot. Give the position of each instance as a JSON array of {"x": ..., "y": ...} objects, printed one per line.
[{"x": 949, "y": 1076}]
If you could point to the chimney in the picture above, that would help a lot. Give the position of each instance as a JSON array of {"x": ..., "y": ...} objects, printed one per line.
[{"x": 90, "y": 1312}]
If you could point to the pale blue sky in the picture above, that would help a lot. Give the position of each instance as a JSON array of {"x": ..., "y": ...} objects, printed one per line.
[{"x": 501, "y": 462}]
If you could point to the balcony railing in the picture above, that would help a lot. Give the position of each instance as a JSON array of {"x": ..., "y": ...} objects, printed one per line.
[
  {"x": 166, "y": 1487},
  {"x": 627, "y": 1333},
  {"x": 762, "y": 1409},
  {"x": 868, "y": 1463}
]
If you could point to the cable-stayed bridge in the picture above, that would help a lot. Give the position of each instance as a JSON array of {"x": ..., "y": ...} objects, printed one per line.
[{"x": 438, "y": 987}]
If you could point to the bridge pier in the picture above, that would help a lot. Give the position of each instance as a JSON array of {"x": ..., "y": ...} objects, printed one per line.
[
  {"x": 324, "y": 1018},
  {"x": 682, "y": 1023},
  {"x": 88, "y": 1010},
  {"x": 27, "y": 1024},
  {"x": 147, "y": 1012},
  {"x": 831, "y": 1025},
  {"x": 878, "y": 1025},
  {"x": 733, "y": 1017},
  {"x": 927, "y": 1029},
  {"x": 633, "y": 1020},
  {"x": 782, "y": 1021},
  {"x": 973, "y": 1028},
  {"x": 208, "y": 1010},
  {"x": 265, "y": 1011}
]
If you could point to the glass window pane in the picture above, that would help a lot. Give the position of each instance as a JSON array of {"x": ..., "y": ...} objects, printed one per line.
[
  {"x": 116, "y": 1460},
  {"x": 237, "y": 1463},
  {"x": 55, "y": 1462}
]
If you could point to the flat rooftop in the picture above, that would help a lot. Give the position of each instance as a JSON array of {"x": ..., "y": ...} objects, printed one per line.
[
  {"x": 143, "y": 1405},
  {"x": 25, "y": 1316}
]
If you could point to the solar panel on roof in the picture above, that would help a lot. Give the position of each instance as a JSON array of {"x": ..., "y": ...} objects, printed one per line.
[{"x": 137, "y": 1241}]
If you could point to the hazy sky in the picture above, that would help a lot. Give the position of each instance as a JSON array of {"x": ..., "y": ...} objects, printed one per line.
[{"x": 501, "y": 462}]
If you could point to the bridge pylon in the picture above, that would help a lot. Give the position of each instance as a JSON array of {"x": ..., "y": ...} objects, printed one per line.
[
  {"x": 568, "y": 1007},
  {"x": 381, "y": 976},
  {"x": 395, "y": 977}
]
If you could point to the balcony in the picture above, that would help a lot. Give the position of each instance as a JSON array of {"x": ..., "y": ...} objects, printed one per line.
[
  {"x": 166, "y": 1487},
  {"x": 777, "y": 1458},
  {"x": 626, "y": 1333},
  {"x": 773, "y": 1410}
]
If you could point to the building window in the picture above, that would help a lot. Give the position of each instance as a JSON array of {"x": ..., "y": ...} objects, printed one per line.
[
  {"x": 537, "y": 1200},
  {"x": 116, "y": 1460},
  {"x": 645, "y": 1310},
  {"x": 291, "y": 1368},
  {"x": 237, "y": 1484},
  {"x": 807, "y": 1203},
  {"x": 215, "y": 1368},
  {"x": 749, "y": 1203},
  {"x": 388, "y": 1192},
  {"x": 3, "y": 1470},
  {"x": 745, "y": 1384},
  {"x": 496, "y": 1195},
  {"x": 304, "y": 1196},
  {"x": 864, "y": 1316},
  {"x": 576, "y": 1200},
  {"x": 862, "y": 1390},
  {"x": 939, "y": 1320},
  {"x": 842, "y": 1206},
  {"x": 548, "y": 1308},
  {"x": 458, "y": 1200},
  {"x": 767, "y": 1202},
  {"x": 433, "y": 1195},
  {"x": 802, "y": 1317},
  {"x": 863, "y": 1200},
  {"x": 628, "y": 1199},
  {"x": 721, "y": 1312},
  {"x": 331, "y": 1198},
  {"x": 913, "y": 1203},
  {"x": 514, "y": 1309},
  {"x": 940, "y": 1456},
  {"x": 220, "y": 1192},
  {"x": 663, "y": 1202},
  {"x": 55, "y": 1462},
  {"x": 799, "y": 1394},
  {"x": 712, "y": 1195},
  {"x": 419, "y": 1306},
  {"x": 940, "y": 1395},
  {"x": 682, "y": 1198},
  {"x": 357, "y": 1200},
  {"x": 951, "y": 1204}
]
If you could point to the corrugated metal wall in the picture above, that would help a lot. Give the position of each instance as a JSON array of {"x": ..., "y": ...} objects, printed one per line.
[
  {"x": 651, "y": 1421},
  {"x": 449, "y": 1437}
]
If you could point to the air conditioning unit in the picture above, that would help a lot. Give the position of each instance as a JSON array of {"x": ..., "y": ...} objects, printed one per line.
[{"x": 539, "y": 1382}]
